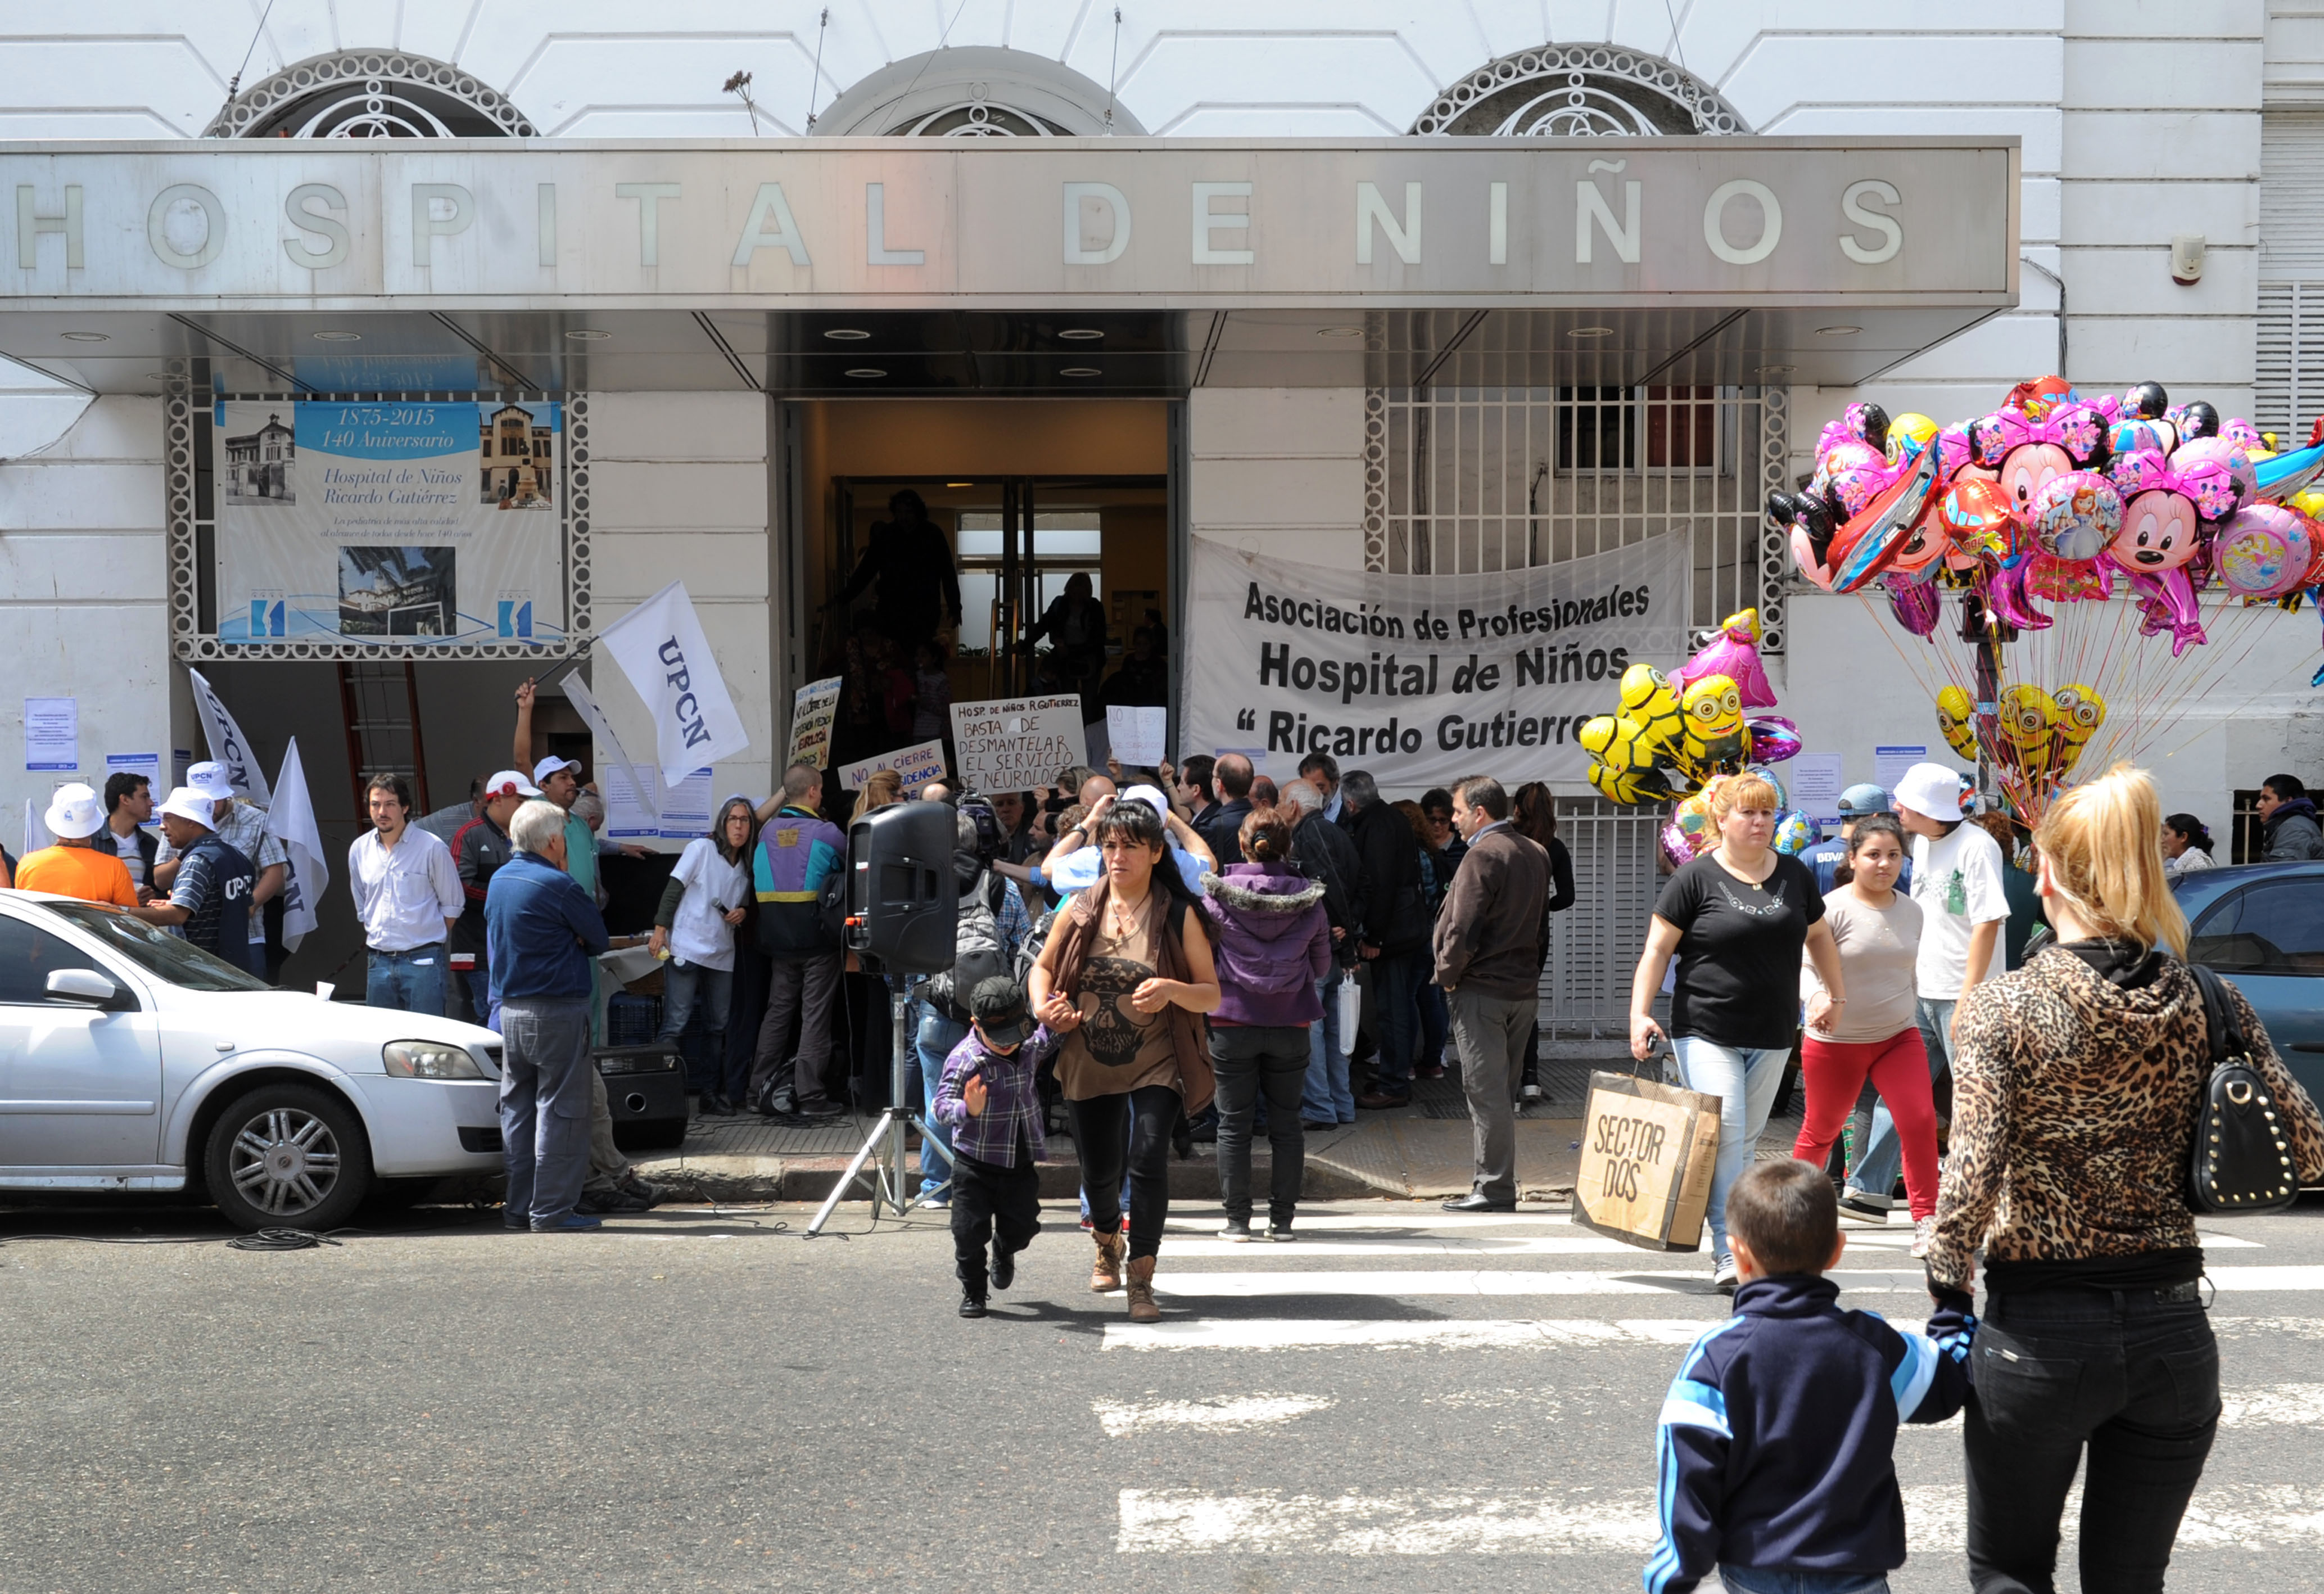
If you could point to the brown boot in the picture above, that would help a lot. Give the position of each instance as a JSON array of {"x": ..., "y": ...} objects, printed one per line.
[
  {"x": 1143, "y": 1308},
  {"x": 1106, "y": 1275}
]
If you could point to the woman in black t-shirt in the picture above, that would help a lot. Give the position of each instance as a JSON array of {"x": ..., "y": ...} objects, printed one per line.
[{"x": 1736, "y": 918}]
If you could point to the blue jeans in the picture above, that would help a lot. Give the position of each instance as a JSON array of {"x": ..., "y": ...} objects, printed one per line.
[
  {"x": 933, "y": 1042},
  {"x": 1878, "y": 1169},
  {"x": 1745, "y": 1081},
  {"x": 1755, "y": 1579},
  {"x": 683, "y": 985},
  {"x": 1395, "y": 982},
  {"x": 1327, "y": 1097},
  {"x": 545, "y": 1106},
  {"x": 406, "y": 982}
]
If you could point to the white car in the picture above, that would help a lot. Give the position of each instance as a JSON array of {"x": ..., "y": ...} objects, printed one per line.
[{"x": 130, "y": 1060}]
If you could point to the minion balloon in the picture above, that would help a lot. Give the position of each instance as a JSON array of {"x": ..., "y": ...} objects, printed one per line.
[
  {"x": 2080, "y": 712},
  {"x": 1956, "y": 717},
  {"x": 1618, "y": 744},
  {"x": 2029, "y": 728},
  {"x": 1648, "y": 700},
  {"x": 1716, "y": 739}
]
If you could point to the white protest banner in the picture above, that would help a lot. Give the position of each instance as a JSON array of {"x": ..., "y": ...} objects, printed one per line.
[
  {"x": 1136, "y": 735},
  {"x": 1016, "y": 743},
  {"x": 915, "y": 766},
  {"x": 1421, "y": 679},
  {"x": 394, "y": 523},
  {"x": 814, "y": 707},
  {"x": 661, "y": 646},
  {"x": 228, "y": 745},
  {"x": 290, "y": 820},
  {"x": 640, "y": 788}
]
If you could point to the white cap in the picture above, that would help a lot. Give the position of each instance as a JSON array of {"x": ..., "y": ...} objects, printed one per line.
[
  {"x": 1150, "y": 796},
  {"x": 1933, "y": 789},
  {"x": 74, "y": 812},
  {"x": 211, "y": 779},
  {"x": 510, "y": 783},
  {"x": 548, "y": 766},
  {"x": 192, "y": 803}
]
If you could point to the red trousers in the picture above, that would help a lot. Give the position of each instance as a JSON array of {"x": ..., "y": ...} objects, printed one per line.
[{"x": 1898, "y": 1067}]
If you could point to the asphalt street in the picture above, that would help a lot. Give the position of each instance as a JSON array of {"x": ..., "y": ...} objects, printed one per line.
[{"x": 698, "y": 1399}]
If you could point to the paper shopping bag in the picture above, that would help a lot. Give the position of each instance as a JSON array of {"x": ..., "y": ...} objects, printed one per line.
[{"x": 1648, "y": 1151}]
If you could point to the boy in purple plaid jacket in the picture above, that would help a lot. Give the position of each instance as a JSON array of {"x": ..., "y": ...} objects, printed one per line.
[{"x": 989, "y": 1102}]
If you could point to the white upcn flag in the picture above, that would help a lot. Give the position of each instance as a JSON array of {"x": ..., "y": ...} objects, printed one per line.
[
  {"x": 646, "y": 783},
  {"x": 228, "y": 745},
  {"x": 661, "y": 646},
  {"x": 290, "y": 820},
  {"x": 36, "y": 833}
]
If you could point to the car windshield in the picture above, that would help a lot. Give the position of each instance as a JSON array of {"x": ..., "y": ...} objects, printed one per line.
[{"x": 154, "y": 950}]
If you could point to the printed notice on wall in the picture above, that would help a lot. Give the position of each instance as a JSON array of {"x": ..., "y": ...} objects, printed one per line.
[
  {"x": 1814, "y": 779},
  {"x": 390, "y": 523},
  {"x": 53, "y": 732},
  {"x": 1889, "y": 764},
  {"x": 1017, "y": 743}
]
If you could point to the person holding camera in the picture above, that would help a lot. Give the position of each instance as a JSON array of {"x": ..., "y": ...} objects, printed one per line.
[{"x": 1121, "y": 980}]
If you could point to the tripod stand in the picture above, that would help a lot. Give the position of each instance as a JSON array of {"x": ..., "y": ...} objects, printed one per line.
[{"x": 884, "y": 1148}]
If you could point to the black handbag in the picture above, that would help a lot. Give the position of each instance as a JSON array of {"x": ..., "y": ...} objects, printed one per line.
[{"x": 2241, "y": 1161}]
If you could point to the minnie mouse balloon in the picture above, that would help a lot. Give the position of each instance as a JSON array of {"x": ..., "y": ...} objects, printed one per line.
[
  {"x": 2217, "y": 474},
  {"x": 2158, "y": 531},
  {"x": 2075, "y": 515}
]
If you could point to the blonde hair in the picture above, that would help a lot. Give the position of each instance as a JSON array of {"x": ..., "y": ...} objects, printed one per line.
[
  {"x": 1740, "y": 791},
  {"x": 881, "y": 787},
  {"x": 2103, "y": 841}
]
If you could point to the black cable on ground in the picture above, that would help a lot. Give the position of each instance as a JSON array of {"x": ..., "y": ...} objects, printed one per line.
[{"x": 281, "y": 1239}]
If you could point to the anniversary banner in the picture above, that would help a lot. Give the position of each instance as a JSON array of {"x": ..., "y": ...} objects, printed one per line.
[
  {"x": 1422, "y": 678},
  {"x": 391, "y": 522}
]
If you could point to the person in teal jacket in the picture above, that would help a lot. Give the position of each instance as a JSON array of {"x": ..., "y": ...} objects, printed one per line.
[{"x": 797, "y": 852}]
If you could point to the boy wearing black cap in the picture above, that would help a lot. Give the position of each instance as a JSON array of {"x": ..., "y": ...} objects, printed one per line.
[{"x": 989, "y": 1102}]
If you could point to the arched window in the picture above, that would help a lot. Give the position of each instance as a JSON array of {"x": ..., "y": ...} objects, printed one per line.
[
  {"x": 370, "y": 94},
  {"x": 1579, "y": 91},
  {"x": 975, "y": 92}
]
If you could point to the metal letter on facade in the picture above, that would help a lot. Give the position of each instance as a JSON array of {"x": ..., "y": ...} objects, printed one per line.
[
  {"x": 1590, "y": 207},
  {"x": 1852, "y": 206},
  {"x": 1117, "y": 205},
  {"x": 1206, "y": 223},
  {"x": 333, "y": 231},
  {"x": 649, "y": 196},
  {"x": 425, "y": 227},
  {"x": 1371, "y": 209},
  {"x": 157, "y": 225},
  {"x": 769, "y": 208},
  {"x": 875, "y": 232},
  {"x": 29, "y": 226},
  {"x": 1714, "y": 222}
]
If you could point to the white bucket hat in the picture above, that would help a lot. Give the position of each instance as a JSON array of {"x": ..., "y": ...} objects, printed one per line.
[
  {"x": 211, "y": 779},
  {"x": 75, "y": 813},
  {"x": 1933, "y": 789},
  {"x": 192, "y": 803}
]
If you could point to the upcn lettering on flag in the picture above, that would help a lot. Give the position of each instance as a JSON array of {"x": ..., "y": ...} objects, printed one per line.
[{"x": 661, "y": 649}]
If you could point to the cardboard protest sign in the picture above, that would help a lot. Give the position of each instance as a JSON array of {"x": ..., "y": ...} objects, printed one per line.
[
  {"x": 915, "y": 766},
  {"x": 814, "y": 707},
  {"x": 1647, "y": 1154},
  {"x": 1015, "y": 743}
]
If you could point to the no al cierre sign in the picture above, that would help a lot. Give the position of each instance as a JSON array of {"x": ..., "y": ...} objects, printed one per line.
[{"x": 1423, "y": 678}]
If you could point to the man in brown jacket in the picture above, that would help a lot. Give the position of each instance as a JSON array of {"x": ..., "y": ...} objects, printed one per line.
[{"x": 1487, "y": 946}]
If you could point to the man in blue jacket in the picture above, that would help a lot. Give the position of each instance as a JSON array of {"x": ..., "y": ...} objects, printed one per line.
[
  {"x": 1776, "y": 1455},
  {"x": 544, "y": 932},
  {"x": 797, "y": 852}
]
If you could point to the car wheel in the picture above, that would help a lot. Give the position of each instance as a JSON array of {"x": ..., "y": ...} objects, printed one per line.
[{"x": 288, "y": 1156}]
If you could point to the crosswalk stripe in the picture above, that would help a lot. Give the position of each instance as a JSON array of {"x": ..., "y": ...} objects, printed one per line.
[
  {"x": 1390, "y": 1220},
  {"x": 1411, "y": 1522},
  {"x": 2265, "y": 1278},
  {"x": 1402, "y": 1283},
  {"x": 1416, "y": 1245},
  {"x": 1313, "y": 1333},
  {"x": 1219, "y": 1415}
]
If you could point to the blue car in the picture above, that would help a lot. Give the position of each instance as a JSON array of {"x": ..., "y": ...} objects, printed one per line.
[{"x": 2261, "y": 926}]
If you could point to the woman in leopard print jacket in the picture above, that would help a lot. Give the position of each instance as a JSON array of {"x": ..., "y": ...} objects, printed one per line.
[{"x": 2076, "y": 1089}]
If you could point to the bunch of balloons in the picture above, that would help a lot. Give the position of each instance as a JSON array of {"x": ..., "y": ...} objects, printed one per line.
[
  {"x": 2040, "y": 736},
  {"x": 1691, "y": 831},
  {"x": 1674, "y": 736}
]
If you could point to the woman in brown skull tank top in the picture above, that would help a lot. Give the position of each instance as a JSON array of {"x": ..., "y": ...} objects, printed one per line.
[{"x": 1119, "y": 983}]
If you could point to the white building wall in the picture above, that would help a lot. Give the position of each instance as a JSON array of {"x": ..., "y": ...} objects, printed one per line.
[
  {"x": 1279, "y": 471},
  {"x": 679, "y": 493},
  {"x": 82, "y": 600}
]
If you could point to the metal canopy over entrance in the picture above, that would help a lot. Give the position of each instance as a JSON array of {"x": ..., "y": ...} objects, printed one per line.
[{"x": 1032, "y": 267}]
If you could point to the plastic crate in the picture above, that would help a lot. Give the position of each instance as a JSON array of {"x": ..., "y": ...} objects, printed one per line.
[{"x": 632, "y": 1021}]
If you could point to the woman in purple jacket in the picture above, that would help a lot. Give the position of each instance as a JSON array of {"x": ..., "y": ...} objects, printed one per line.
[{"x": 1273, "y": 944}]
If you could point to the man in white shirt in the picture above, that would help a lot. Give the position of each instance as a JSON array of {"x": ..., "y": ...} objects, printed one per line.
[
  {"x": 241, "y": 825},
  {"x": 407, "y": 895},
  {"x": 1956, "y": 882}
]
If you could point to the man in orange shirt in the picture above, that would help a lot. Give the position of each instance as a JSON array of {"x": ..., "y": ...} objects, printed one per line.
[{"x": 77, "y": 866}]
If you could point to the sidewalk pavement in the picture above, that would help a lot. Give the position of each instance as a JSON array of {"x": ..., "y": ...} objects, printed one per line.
[{"x": 1420, "y": 1150}]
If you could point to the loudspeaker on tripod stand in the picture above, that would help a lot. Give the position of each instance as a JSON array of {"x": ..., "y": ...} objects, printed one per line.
[{"x": 902, "y": 900}]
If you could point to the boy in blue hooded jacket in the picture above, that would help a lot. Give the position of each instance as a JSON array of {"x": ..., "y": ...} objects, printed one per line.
[{"x": 1774, "y": 1457}]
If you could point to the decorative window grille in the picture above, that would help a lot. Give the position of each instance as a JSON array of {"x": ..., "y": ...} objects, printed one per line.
[
  {"x": 1579, "y": 91},
  {"x": 370, "y": 94},
  {"x": 1482, "y": 479},
  {"x": 1593, "y": 946},
  {"x": 2289, "y": 370}
]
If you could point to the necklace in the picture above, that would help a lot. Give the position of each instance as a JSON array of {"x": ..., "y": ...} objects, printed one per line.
[{"x": 1123, "y": 916}]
